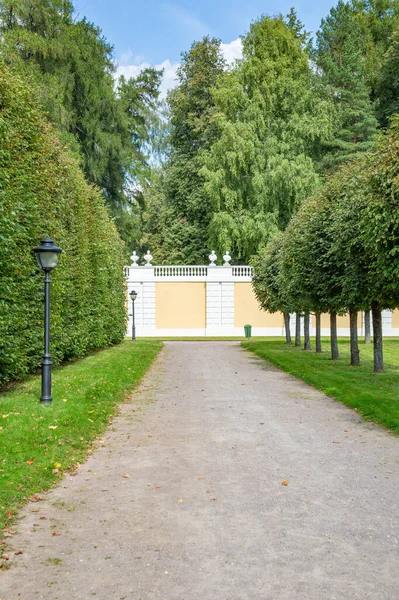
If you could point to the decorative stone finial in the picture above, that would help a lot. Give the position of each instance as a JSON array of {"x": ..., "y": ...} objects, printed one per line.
[
  {"x": 148, "y": 259},
  {"x": 227, "y": 259},
  {"x": 212, "y": 257},
  {"x": 134, "y": 259}
]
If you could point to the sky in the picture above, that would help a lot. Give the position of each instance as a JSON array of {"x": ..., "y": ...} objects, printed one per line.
[{"x": 155, "y": 32}]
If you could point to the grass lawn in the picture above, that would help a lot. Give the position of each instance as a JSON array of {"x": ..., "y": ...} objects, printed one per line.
[
  {"x": 374, "y": 396},
  {"x": 38, "y": 443}
]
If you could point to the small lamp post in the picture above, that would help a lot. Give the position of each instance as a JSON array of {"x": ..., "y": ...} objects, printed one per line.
[
  {"x": 133, "y": 296},
  {"x": 47, "y": 256}
]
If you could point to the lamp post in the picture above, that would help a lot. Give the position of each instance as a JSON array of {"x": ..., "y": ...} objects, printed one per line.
[
  {"x": 133, "y": 296},
  {"x": 47, "y": 256}
]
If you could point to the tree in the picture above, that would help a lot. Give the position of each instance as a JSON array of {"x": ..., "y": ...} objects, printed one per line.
[
  {"x": 139, "y": 100},
  {"x": 379, "y": 230},
  {"x": 340, "y": 58},
  {"x": 186, "y": 211},
  {"x": 388, "y": 83},
  {"x": 378, "y": 19},
  {"x": 270, "y": 116},
  {"x": 268, "y": 283},
  {"x": 72, "y": 68}
]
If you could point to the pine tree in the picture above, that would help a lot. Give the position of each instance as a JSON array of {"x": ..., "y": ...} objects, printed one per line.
[{"x": 340, "y": 58}]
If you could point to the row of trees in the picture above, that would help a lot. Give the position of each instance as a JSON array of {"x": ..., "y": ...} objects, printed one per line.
[
  {"x": 247, "y": 144},
  {"x": 339, "y": 252}
]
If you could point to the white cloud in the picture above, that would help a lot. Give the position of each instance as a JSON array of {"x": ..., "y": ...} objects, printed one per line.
[
  {"x": 232, "y": 51},
  {"x": 169, "y": 75},
  {"x": 130, "y": 65}
]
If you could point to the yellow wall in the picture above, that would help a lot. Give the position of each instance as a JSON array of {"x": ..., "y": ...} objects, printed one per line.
[
  {"x": 180, "y": 305},
  {"x": 248, "y": 311},
  {"x": 342, "y": 322},
  {"x": 395, "y": 318}
]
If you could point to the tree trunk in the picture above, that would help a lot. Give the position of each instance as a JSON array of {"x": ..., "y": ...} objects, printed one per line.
[
  {"x": 367, "y": 327},
  {"x": 333, "y": 336},
  {"x": 298, "y": 329},
  {"x": 355, "y": 355},
  {"x": 306, "y": 345},
  {"x": 377, "y": 337},
  {"x": 287, "y": 328},
  {"x": 318, "y": 332}
]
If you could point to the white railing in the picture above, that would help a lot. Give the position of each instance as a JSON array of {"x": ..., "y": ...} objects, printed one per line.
[
  {"x": 186, "y": 271},
  {"x": 181, "y": 271},
  {"x": 243, "y": 271}
]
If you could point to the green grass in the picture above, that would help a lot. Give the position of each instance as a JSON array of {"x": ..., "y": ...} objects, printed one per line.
[
  {"x": 39, "y": 443},
  {"x": 374, "y": 396}
]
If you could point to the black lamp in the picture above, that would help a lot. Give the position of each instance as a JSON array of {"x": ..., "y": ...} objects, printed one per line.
[
  {"x": 133, "y": 296},
  {"x": 47, "y": 256}
]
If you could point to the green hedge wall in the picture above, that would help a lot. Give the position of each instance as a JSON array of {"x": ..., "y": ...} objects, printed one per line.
[{"x": 43, "y": 193}]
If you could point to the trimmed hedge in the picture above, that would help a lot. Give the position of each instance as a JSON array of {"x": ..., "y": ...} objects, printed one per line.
[{"x": 43, "y": 193}]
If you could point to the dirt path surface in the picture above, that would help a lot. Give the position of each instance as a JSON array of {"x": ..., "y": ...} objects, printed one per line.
[{"x": 184, "y": 498}]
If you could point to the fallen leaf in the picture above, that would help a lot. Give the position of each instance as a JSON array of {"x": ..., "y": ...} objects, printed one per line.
[
  {"x": 55, "y": 471},
  {"x": 29, "y": 462},
  {"x": 262, "y": 423},
  {"x": 18, "y": 553},
  {"x": 284, "y": 482},
  {"x": 53, "y": 426},
  {"x": 57, "y": 465},
  {"x": 126, "y": 476},
  {"x": 336, "y": 442},
  {"x": 9, "y": 514},
  {"x": 5, "y": 557},
  {"x": 180, "y": 500},
  {"x": 55, "y": 533}
]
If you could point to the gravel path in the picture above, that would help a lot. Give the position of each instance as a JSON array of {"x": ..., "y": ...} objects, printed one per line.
[{"x": 225, "y": 479}]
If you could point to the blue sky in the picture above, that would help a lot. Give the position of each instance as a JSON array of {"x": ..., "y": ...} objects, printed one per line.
[{"x": 155, "y": 32}]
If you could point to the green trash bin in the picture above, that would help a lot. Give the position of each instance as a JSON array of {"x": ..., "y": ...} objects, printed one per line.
[{"x": 248, "y": 331}]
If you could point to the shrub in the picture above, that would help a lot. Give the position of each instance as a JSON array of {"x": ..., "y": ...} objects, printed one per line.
[{"x": 43, "y": 193}]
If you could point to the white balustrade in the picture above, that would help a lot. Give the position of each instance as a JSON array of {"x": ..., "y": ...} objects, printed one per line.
[
  {"x": 181, "y": 271},
  {"x": 243, "y": 271}
]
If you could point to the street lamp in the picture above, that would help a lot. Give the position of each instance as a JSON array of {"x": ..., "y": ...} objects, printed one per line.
[
  {"x": 133, "y": 296},
  {"x": 47, "y": 256}
]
